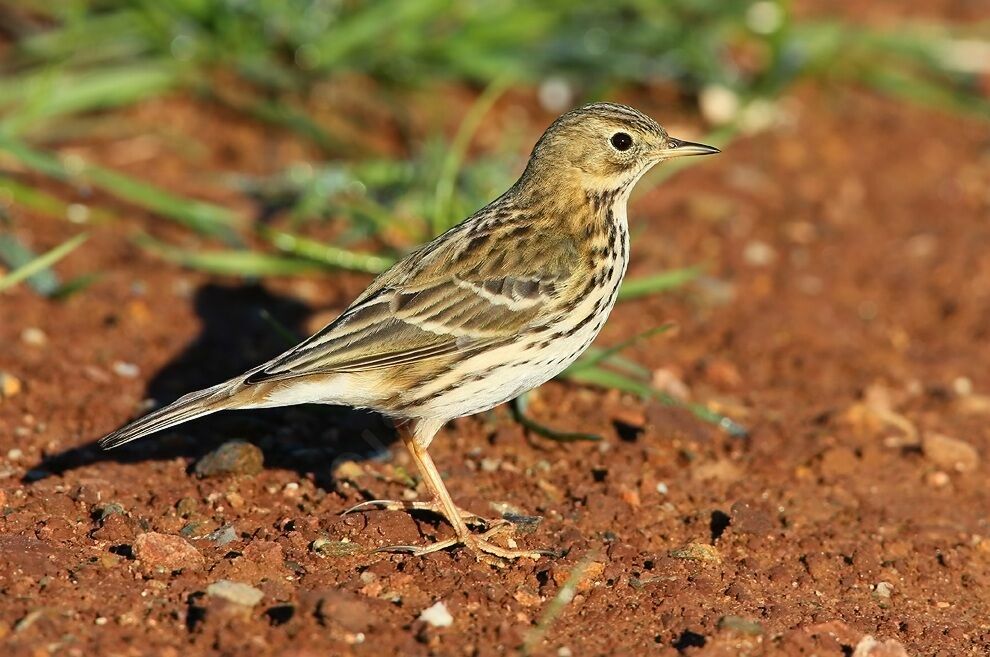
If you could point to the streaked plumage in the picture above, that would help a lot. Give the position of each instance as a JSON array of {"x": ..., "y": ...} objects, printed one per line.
[{"x": 494, "y": 307}]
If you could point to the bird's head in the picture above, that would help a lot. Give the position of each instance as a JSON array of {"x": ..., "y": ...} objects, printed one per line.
[{"x": 605, "y": 146}]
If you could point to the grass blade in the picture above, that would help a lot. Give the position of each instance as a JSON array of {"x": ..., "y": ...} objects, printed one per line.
[
  {"x": 634, "y": 288},
  {"x": 518, "y": 406},
  {"x": 593, "y": 356},
  {"x": 227, "y": 262},
  {"x": 42, "y": 263},
  {"x": 602, "y": 378},
  {"x": 35, "y": 97},
  {"x": 327, "y": 254},
  {"x": 46, "y": 204},
  {"x": 206, "y": 218},
  {"x": 458, "y": 150}
]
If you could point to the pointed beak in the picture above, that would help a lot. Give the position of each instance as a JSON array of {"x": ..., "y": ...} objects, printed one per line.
[{"x": 681, "y": 148}]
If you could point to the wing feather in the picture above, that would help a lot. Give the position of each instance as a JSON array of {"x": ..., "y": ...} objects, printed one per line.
[{"x": 439, "y": 302}]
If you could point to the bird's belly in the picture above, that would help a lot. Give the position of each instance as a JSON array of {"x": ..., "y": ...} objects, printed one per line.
[{"x": 501, "y": 374}]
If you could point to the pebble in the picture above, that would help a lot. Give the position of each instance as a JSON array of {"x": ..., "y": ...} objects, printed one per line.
[
  {"x": 586, "y": 578},
  {"x": 741, "y": 625},
  {"x": 235, "y": 592},
  {"x": 751, "y": 518},
  {"x": 870, "y": 647},
  {"x": 34, "y": 336},
  {"x": 759, "y": 254},
  {"x": 164, "y": 552},
  {"x": 10, "y": 385},
  {"x": 125, "y": 370},
  {"x": 233, "y": 457},
  {"x": 110, "y": 509},
  {"x": 950, "y": 453},
  {"x": 697, "y": 552},
  {"x": 222, "y": 536},
  {"x": 437, "y": 615},
  {"x": 332, "y": 607},
  {"x": 881, "y": 593},
  {"x": 325, "y": 547}
]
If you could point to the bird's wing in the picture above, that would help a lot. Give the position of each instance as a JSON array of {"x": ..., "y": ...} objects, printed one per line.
[{"x": 460, "y": 294}]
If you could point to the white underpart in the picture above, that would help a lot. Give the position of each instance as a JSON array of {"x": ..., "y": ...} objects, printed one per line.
[
  {"x": 513, "y": 369},
  {"x": 361, "y": 390}
]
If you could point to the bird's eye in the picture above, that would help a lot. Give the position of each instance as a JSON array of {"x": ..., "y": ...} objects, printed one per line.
[{"x": 621, "y": 141}]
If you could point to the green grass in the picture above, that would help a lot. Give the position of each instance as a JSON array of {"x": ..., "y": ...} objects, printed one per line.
[
  {"x": 76, "y": 61},
  {"x": 36, "y": 270}
]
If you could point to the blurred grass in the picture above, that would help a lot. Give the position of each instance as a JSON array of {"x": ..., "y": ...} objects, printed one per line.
[
  {"x": 266, "y": 61},
  {"x": 35, "y": 269}
]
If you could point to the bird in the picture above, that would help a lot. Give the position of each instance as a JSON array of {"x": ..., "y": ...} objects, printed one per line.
[{"x": 488, "y": 310}]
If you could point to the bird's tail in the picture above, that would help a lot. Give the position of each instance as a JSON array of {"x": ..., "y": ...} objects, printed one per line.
[{"x": 189, "y": 407}]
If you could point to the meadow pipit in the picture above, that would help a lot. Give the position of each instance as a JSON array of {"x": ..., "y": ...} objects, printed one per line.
[{"x": 495, "y": 306}]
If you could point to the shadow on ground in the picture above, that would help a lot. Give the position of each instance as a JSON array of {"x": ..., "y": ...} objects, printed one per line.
[{"x": 243, "y": 325}]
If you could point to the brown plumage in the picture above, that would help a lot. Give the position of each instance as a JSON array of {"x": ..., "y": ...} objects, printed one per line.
[{"x": 493, "y": 307}]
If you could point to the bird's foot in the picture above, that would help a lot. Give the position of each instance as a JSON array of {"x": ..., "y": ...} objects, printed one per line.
[
  {"x": 471, "y": 519},
  {"x": 483, "y": 549}
]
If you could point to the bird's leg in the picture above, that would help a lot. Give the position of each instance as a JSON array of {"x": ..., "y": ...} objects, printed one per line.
[
  {"x": 483, "y": 549},
  {"x": 471, "y": 519}
]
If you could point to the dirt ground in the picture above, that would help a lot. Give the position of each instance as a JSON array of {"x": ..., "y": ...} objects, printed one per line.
[{"x": 843, "y": 318}]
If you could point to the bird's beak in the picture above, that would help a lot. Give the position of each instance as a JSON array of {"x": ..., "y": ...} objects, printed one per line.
[{"x": 681, "y": 148}]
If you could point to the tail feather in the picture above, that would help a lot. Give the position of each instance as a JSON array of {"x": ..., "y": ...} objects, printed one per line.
[{"x": 189, "y": 407}]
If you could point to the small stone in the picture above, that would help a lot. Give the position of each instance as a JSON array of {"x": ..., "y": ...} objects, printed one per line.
[
  {"x": 164, "y": 552},
  {"x": 110, "y": 509},
  {"x": 527, "y": 597},
  {"x": 126, "y": 370},
  {"x": 870, "y": 647},
  {"x": 34, "y": 336},
  {"x": 349, "y": 471},
  {"x": 697, "y": 552},
  {"x": 233, "y": 457},
  {"x": 186, "y": 507},
  {"x": 723, "y": 374},
  {"x": 331, "y": 607},
  {"x": 938, "y": 479},
  {"x": 750, "y": 518},
  {"x": 881, "y": 593},
  {"x": 740, "y": 625},
  {"x": 973, "y": 405},
  {"x": 668, "y": 381},
  {"x": 522, "y": 524},
  {"x": 437, "y": 615},
  {"x": 759, "y": 254},
  {"x": 222, "y": 536},
  {"x": 10, "y": 385},
  {"x": 235, "y": 592},
  {"x": 962, "y": 386},
  {"x": 592, "y": 572},
  {"x": 950, "y": 453},
  {"x": 325, "y": 547}
]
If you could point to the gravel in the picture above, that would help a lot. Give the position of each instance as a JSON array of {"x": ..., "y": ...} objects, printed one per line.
[
  {"x": 235, "y": 592},
  {"x": 234, "y": 457},
  {"x": 164, "y": 552},
  {"x": 437, "y": 615}
]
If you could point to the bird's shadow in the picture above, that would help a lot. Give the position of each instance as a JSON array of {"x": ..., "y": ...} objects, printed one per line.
[{"x": 242, "y": 326}]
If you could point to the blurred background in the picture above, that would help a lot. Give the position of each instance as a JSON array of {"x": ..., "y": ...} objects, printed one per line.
[{"x": 284, "y": 137}]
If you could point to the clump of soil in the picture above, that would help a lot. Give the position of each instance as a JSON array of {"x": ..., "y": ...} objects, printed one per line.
[{"x": 843, "y": 319}]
